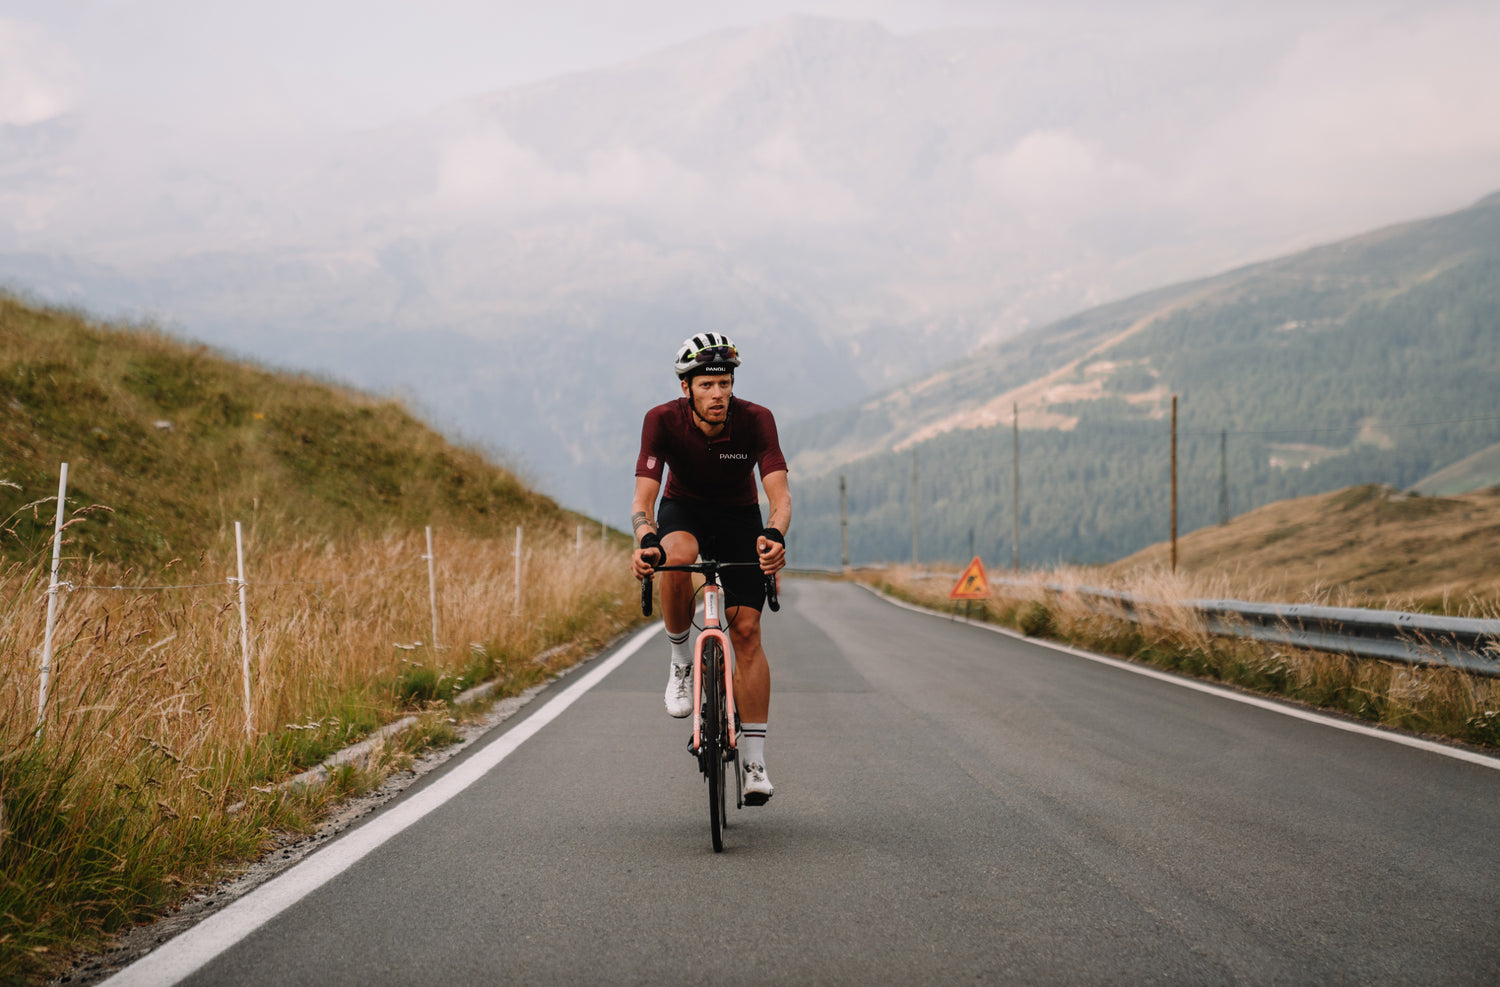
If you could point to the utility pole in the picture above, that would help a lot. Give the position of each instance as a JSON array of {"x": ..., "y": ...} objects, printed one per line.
[
  {"x": 1174, "y": 483},
  {"x": 1223, "y": 476},
  {"x": 914, "y": 506},
  {"x": 844, "y": 519},
  {"x": 1015, "y": 473}
]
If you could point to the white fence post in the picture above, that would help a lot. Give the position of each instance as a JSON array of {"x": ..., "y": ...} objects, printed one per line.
[
  {"x": 239, "y": 549},
  {"x": 431, "y": 585},
  {"x": 62, "y": 496},
  {"x": 578, "y": 545},
  {"x": 517, "y": 611}
]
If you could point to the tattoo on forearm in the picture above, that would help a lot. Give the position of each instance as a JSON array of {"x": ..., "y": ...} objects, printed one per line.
[{"x": 639, "y": 518}]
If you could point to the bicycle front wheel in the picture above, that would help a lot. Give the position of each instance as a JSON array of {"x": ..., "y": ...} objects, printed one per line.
[{"x": 715, "y": 736}]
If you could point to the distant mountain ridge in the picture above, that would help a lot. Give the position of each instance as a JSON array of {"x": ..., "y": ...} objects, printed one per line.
[
  {"x": 1374, "y": 359},
  {"x": 854, "y": 206}
]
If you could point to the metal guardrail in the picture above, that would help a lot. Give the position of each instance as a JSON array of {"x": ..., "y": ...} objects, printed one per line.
[{"x": 1469, "y": 644}]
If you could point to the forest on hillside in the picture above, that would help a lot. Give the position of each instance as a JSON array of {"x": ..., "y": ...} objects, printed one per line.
[{"x": 1301, "y": 381}]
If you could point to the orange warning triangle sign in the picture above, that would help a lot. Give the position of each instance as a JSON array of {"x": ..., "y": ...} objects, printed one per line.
[{"x": 973, "y": 584}]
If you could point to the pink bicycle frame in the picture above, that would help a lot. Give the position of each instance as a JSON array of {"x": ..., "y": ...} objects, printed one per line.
[{"x": 711, "y": 627}]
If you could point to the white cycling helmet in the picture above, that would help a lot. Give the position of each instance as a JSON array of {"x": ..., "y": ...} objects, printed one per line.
[{"x": 706, "y": 353}]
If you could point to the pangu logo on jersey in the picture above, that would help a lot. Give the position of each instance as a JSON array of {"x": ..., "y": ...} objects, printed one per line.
[{"x": 734, "y": 455}]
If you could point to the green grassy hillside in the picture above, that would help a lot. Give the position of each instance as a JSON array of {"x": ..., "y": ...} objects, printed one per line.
[
  {"x": 1370, "y": 360},
  {"x": 178, "y": 443}
]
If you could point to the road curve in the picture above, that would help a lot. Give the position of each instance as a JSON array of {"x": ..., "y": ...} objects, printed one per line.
[{"x": 951, "y": 804}]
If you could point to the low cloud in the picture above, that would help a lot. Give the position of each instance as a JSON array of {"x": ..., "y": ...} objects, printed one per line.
[
  {"x": 1054, "y": 179},
  {"x": 1360, "y": 112},
  {"x": 485, "y": 171},
  {"x": 37, "y": 76}
]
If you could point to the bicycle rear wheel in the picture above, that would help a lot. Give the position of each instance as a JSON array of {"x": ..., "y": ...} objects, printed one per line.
[{"x": 714, "y": 734}]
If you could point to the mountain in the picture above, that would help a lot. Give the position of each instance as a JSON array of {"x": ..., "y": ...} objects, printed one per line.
[
  {"x": 854, "y": 206},
  {"x": 1374, "y": 359}
]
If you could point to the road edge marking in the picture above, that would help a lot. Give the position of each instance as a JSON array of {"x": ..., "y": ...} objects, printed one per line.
[
  {"x": 184, "y": 955},
  {"x": 1296, "y": 712}
]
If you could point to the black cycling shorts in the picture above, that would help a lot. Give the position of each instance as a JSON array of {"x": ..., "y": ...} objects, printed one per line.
[{"x": 725, "y": 534}]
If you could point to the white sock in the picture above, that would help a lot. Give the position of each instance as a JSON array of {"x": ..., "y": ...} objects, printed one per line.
[
  {"x": 753, "y": 743},
  {"x": 681, "y": 653}
]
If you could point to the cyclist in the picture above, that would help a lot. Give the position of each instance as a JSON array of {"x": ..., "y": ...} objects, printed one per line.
[{"x": 711, "y": 442}]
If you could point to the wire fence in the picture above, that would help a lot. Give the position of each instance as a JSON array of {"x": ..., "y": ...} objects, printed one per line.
[{"x": 240, "y": 584}]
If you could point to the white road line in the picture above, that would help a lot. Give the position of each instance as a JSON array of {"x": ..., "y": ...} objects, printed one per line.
[
  {"x": 1457, "y": 753},
  {"x": 180, "y": 957}
]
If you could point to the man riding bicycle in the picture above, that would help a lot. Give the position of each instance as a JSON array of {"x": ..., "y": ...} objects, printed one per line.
[{"x": 712, "y": 442}]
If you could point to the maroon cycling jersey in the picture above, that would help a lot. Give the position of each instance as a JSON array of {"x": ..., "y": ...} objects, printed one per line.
[{"x": 720, "y": 470}]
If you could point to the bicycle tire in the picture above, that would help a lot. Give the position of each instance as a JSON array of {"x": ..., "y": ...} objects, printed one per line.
[{"x": 713, "y": 737}]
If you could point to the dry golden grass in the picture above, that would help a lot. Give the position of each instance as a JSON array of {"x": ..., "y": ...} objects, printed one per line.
[
  {"x": 1363, "y": 546},
  {"x": 120, "y": 801},
  {"x": 1437, "y": 701}
]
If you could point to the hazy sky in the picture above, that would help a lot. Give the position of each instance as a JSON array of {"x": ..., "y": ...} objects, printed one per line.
[
  {"x": 361, "y": 62},
  {"x": 211, "y": 64},
  {"x": 1373, "y": 111}
]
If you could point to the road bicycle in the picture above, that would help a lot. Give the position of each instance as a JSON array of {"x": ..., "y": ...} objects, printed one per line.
[{"x": 715, "y": 738}]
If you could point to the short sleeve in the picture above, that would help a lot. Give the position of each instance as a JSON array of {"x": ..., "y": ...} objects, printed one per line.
[
  {"x": 651, "y": 462},
  {"x": 771, "y": 460}
]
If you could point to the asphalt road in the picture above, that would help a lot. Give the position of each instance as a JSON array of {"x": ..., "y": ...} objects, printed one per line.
[{"x": 951, "y": 805}]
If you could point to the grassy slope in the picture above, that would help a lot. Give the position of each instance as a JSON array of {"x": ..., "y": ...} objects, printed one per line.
[
  {"x": 1361, "y": 546},
  {"x": 121, "y": 807},
  {"x": 244, "y": 444}
]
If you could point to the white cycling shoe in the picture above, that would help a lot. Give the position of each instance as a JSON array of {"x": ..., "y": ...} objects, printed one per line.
[
  {"x": 758, "y": 787},
  {"x": 679, "y": 694}
]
